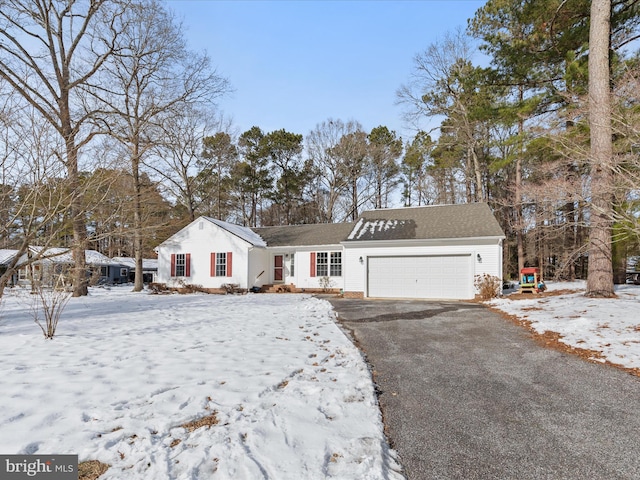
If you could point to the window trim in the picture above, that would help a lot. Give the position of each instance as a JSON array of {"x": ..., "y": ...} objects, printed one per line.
[
  {"x": 216, "y": 264},
  {"x": 335, "y": 264},
  {"x": 326, "y": 264},
  {"x": 186, "y": 268},
  {"x": 180, "y": 265},
  {"x": 221, "y": 264}
]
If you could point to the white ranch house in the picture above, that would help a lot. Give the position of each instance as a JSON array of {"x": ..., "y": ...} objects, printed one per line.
[{"x": 431, "y": 252}]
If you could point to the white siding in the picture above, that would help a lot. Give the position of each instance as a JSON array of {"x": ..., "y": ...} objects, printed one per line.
[
  {"x": 490, "y": 261},
  {"x": 199, "y": 239},
  {"x": 258, "y": 267},
  {"x": 303, "y": 278}
]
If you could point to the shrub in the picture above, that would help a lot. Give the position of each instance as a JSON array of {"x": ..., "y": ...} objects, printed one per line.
[
  {"x": 487, "y": 286},
  {"x": 48, "y": 302},
  {"x": 325, "y": 283},
  {"x": 192, "y": 288}
]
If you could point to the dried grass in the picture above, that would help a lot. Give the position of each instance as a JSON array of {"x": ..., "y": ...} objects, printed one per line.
[
  {"x": 91, "y": 469},
  {"x": 206, "y": 421}
]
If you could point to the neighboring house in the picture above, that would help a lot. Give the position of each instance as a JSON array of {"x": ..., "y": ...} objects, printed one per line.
[
  {"x": 414, "y": 252},
  {"x": 6, "y": 256},
  {"x": 53, "y": 266},
  {"x": 149, "y": 268}
]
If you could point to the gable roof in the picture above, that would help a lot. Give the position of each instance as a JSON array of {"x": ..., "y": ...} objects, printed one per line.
[
  {"x": 304, "y": 235},
  {"x": 468, "y": 220},
  {"x": 245, "y": 233}
]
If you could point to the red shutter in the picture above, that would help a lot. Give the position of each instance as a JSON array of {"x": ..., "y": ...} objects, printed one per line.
[
  {"x": 229, "y": 264},
  {"x": 212, "y": 268},
  {"x": 173, "y": 264},
  {"x": 187, "y": 265},
  {"x": 312, "y": 266}
]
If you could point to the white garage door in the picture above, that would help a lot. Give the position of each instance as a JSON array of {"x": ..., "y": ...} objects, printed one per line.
[{"x": 446, "y": 276}]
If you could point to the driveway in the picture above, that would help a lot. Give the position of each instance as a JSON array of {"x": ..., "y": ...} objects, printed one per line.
[{"x": 466, "y": 394}]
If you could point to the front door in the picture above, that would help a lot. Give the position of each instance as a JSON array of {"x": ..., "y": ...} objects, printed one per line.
[{"x": 278, "y": 268}]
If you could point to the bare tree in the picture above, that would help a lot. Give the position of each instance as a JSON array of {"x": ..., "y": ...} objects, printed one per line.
[
  {"x": 445, "y": 83},
  {"x": 35, "y": 195},
  {"x": 149, "y": 80},
  {"x": 353, "y": 152},
  {"x": 321, "y": 147},
  {"x": 176, "y": 160},
  {"x": 49, "y": 51}
]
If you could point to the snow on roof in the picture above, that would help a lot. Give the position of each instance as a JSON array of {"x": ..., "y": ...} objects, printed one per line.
[
  {"x": 245, "y": 233},
  {"x": 65, "y": 255},
  {"x": 371, "y": 227},
  {"x": 147, "y": 263},
  {"x": 6, "y": 255}
]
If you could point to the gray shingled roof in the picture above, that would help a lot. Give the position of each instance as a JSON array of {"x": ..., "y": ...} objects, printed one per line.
[
  {"x": 432, "y": 222},
  {"x": 304, "y": 235}
]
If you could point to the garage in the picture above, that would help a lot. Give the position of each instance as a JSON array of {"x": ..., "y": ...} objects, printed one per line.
[{"x": 432, "y": 276}]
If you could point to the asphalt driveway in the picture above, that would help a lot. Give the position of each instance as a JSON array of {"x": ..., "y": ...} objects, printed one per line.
[{"x": 466, "y": 394}]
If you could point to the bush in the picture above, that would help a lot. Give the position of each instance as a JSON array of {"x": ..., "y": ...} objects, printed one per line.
[
  {"x": 325, "y": 283},
  {"x": 192, "y": 288},
  {"x": 48, "y": 302},
  {"x": 487, "y": 286}
]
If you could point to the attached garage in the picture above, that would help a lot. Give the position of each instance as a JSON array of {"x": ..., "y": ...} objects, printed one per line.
[
  {"x": 433, "y": 276},
  {"x": 433, "y": 252}
]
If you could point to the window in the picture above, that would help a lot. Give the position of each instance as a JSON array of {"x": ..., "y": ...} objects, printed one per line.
[
  {"x": 292, "y": 265},
  {"x": 326, "y": 264},
  {"x": 123, "y": 272},
  {"x": 322, "y": 265},
  {"x": 335, "y": 267},
  {"x": 104, "y": 271},
  {"x": 221, "y": 264},
  {"x": 181, "y": 264},
  {"x": 23, "y": 273}
]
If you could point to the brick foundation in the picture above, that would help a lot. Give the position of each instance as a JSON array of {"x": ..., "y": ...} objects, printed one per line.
[{"x": 353, "y": 295}]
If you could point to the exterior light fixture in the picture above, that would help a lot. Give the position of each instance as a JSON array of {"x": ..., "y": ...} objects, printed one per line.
[
  {"x": 479, "y": 258},
  {"x": 361, "y": 260}
]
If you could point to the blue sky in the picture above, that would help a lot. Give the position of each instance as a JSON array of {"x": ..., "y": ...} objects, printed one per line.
[{"x": 294, "y": 64}]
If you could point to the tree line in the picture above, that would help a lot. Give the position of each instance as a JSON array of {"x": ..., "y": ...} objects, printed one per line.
[{"x": 112, "y": 139}]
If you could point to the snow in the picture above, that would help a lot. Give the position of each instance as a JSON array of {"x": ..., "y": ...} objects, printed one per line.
[
  {"x": 356, "y": 229},
  {"x": 610, "y": 327},
  {"x": 126, "y": 373},
  {"x": 147, "y": 263},
  {"x": 364, "y": 227},
  {"x": 7, "y": 255},
  {"x": 65, "y": 255},
  {"x": 244, "y": 233}
]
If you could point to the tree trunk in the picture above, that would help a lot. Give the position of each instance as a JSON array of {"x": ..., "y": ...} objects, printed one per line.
[
  {"x": 600, "y": 275},
  {"x": 138, "y": 283},
  {"x": 518, "y": 190},
  {"x": 80, "y": 279}
]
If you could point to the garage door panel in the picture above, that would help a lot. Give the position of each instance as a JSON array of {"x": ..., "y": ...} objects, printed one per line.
[{"x": 443, "y": 276}]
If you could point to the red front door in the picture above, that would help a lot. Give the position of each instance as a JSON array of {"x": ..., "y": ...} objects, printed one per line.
[{"x": 278, "y": 268}]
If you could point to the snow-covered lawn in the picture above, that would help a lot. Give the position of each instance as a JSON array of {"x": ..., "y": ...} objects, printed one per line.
[
  {"x": 610, "y": 327},
  {"x": 279, "y": 390}
]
